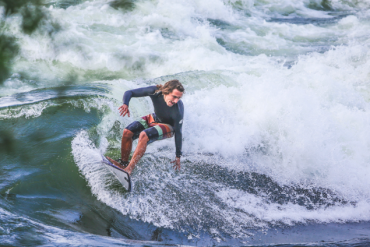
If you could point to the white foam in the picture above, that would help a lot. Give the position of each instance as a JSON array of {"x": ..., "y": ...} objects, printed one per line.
[
  {"x": 291, "y": 213},
  {"x": 146, "y": 202},
  {"x": 36, "y": 109},
  {"x": 14, "y": 85},
  {"x": 311, "y": 120},
  {"x": 136, "y": 44}
]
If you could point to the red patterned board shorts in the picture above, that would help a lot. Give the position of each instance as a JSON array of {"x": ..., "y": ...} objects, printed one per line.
[{"x": 155, "y": 131}]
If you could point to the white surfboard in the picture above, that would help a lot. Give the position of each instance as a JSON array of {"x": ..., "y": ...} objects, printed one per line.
[{"x": 121, "y": 174}]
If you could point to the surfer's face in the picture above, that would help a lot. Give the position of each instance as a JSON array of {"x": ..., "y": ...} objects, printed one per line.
[{"x": 172, "y": 98}]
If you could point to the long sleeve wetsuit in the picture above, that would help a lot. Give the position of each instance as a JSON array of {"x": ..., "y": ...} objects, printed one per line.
[{"x": 164, "y": 114}]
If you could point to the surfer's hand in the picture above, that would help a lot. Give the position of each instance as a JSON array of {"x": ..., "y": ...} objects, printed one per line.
[
  {"x": 123, "y": 110},
  {"x": 177, "y": 164}
]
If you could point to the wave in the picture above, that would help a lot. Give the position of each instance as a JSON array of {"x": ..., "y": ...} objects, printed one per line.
[
  {"x": 276, "y": 108},
  {"x": 205, "y": 197}
]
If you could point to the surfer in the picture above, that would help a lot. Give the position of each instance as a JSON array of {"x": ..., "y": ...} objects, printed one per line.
[{"x": 165, "y": 122}]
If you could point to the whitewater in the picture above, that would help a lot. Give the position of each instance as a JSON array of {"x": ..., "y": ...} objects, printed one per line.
[{"x": 276, "y": 133}]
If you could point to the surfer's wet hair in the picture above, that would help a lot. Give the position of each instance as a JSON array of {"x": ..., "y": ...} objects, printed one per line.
[{"x": 169, "y": 86}]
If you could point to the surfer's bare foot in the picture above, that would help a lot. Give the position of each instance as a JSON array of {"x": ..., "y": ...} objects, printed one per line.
[
  {"x": 128, "y": 170},
  {"x": 115, "y": 162}
]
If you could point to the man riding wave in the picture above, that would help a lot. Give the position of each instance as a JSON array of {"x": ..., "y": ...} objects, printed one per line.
[{"x": 165, "y": 122}]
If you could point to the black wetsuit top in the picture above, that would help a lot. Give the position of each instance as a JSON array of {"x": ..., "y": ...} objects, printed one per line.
[{"x": 164, "y": 114}]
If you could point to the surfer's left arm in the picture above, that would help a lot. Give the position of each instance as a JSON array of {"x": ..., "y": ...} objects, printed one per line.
[{"x": 178, "y": 135}]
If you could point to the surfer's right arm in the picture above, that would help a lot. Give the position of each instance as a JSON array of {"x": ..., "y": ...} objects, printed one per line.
[
  {"x": 139, "y": 92},
  {"x": 123, "y": 110}
]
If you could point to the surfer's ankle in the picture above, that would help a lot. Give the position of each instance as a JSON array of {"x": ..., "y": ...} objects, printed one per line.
[{"x": 123, "y": 163}]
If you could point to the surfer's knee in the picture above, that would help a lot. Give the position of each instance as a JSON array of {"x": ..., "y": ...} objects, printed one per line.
[
  {"x": 143, "y": 137},
  {"x": 127, "y": 133}
]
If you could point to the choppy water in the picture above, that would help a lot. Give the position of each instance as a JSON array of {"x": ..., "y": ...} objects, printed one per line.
[{"x": 276, "y": 129}]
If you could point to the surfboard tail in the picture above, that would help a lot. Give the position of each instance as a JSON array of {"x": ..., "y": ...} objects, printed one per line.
[{"x": 122, "y": 176}]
